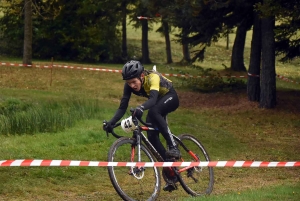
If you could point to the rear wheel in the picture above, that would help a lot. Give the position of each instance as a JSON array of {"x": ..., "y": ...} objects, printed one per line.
[
  {"x": 133, "y": 183},
  {"x": 196, "y": 180}
]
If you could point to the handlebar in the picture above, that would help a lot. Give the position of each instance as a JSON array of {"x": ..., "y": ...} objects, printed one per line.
[
  {"x": 112, "y": 132},
  {"x": 135, "y": 121},
  {"x": 140, "y": 119}
]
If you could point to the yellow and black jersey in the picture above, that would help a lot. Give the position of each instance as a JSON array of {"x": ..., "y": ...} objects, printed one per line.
[
  {"x": 154, "y": 87},
  {"x": 156, "y": 81}
]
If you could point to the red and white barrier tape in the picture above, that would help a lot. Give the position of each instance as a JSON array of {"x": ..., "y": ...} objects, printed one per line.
[
  {"x": 107, "y": 70},
  {"x": 286, "y": 79},
  {"x": 61, "y": 163},
  {"x": 144, "y": 18},
  {"x": 148, "y": 18},
  {"x": 119, "y": 71},
  {"x": 253, "y": 75}
]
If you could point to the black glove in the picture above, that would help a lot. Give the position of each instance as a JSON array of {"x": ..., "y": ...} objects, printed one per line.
[
  {"x": 138, "y": 112},
  {"x": 108, "y": 127}
]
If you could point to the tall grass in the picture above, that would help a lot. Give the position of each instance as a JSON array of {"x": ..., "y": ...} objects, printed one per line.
[{"x": 18, "y": 117}]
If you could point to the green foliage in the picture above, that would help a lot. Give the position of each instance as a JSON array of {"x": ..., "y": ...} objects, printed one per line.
[
  {"x": 11, "y": 30},
  {"x": 18, "y": 117},
  {"x": 79, "y": 30},
  {"x": 210, "y": 81},
  {"x": 12, "y": 105}
]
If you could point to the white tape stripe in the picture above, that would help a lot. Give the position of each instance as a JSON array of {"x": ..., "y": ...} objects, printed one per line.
[
  {"x": 131, "y": 164},
  {"x": 150, "y": 164},
  {"x": 204, "y": 163},
  {"x": 167, "y": 164},
  {"x": 93, "y": 163},
  {"x": 221, "y": 163},
  {"x": 16, "y": 163},
  {"x": 238, "y": 164},
  {"x": 36, "y": 163},
  {"x": 186, "y": 164},
  {"x": 290, "y": 164},
  {"x": 55, "y": 163},
  {"x": 272, "y": 164},
  {"x": 112, "y": 164},
  {"x": 255, "y": 164},
  {"x": 74, "y": 163}
]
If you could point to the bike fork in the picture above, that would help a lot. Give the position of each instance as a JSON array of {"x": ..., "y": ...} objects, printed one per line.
[
  {"x": 133, "y": 151},
  {"x": 136, "y": 171},
  {"x": 138, "y": 143}
]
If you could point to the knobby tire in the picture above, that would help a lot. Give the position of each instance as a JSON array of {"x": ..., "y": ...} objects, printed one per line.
[
  {"x": 196, "y": 181},
  {"x": 128, "y": 186}
]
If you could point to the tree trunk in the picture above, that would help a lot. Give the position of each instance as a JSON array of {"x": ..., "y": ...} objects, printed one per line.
[
  {"x": 145, "y": 47},
  {"x": 253, "y": 84},
  {"x": 237, "y": 59},
  {"x": 185, "y": 47},
  {"x": 227, "y": 40},
  {"x": 27, "y": 50},
  {"x": 268, "y": 79},
  {"x": 124, "y": 34},
  {"x": 167, "y": 39}
]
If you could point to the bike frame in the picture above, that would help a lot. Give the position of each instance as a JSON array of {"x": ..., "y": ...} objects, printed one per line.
[
  {"x": 140, "y": 137},
  {"x": 139, "y": 142}
]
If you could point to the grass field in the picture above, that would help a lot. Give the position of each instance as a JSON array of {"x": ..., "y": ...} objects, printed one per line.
[{"x": 229, "y": 126}]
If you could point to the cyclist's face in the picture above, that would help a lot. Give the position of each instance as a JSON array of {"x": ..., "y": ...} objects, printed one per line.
[{"x": 135, "y": 84}]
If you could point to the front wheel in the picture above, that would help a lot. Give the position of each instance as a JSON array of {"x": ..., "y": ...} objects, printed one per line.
[
  {"x": 195, "y": 180},
  {"x": 133, "y": 183}
]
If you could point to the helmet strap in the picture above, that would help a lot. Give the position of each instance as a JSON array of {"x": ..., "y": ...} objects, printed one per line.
[{"x": 140, "y": 78}]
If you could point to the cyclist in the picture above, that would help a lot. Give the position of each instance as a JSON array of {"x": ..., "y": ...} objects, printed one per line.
[{"x": 162, "y": 99}]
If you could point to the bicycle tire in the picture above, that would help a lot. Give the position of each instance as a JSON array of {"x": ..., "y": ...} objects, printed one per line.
[
  {"x": 196, "y": 181},
  {"x": 133, "y": 183}
]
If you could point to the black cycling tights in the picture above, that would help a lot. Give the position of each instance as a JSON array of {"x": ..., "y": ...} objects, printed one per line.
[{"x": 156, "y": 115}]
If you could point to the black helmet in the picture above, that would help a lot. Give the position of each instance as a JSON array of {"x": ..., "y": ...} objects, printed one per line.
[{"x": 132, "y": 69}]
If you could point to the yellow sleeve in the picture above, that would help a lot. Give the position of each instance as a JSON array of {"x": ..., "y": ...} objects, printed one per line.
[{"x": 154, "y": 81}]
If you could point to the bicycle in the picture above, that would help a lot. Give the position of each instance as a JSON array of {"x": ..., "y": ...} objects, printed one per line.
[{"x": 144, "y": 183}]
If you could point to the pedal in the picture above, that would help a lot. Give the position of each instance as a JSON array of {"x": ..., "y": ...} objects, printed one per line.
[{"x": 170, "y": 187}]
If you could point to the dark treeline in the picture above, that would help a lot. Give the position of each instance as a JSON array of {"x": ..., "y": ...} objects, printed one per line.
[
  {"x": 95, "y": 31},
  {"x": 67, "y": 30}
]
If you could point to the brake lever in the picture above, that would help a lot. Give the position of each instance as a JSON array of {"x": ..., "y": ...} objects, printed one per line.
[
  {"x": 104, "y": 124},
  {"x": 140, "y": 119},
  {"x": 134, "y": 119}
]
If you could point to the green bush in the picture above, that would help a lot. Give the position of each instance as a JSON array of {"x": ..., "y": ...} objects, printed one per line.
[
  {"x": 18, "y": 117},
  {"x": 12, "y": 105},
  {"x": 210, "y": 81}
]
